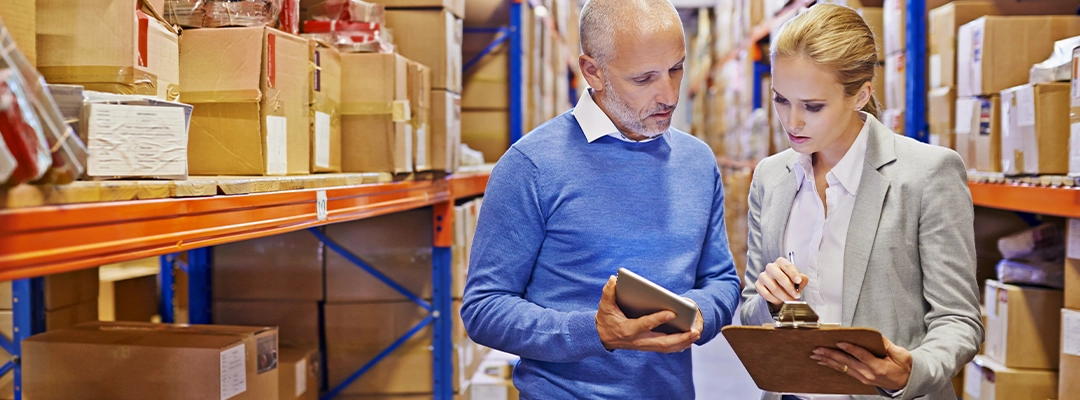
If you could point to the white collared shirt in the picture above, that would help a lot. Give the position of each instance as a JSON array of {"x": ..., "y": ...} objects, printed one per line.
[
  {"x": 596, "y": 123},
  {"x": 817, "y": 240}
]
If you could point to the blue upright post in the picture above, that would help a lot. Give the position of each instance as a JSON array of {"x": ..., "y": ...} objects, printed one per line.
[
  {"x": 517, "y": 73},
  {"x": 760, "y": 69},
  {"x": 916, "y": 125},
  {"x": 28, "y": 312},
  {"x": 442, "y": 340},
  {"x": 199, "y": 294},
  {"x": 167, "y": 282}
]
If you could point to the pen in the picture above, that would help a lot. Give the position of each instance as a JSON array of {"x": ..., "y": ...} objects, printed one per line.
[{"x": 791, "y": 258}]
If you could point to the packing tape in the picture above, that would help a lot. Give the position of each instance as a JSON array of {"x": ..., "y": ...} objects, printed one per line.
[
  {"x": 326, "y": 105},
  {"x": 399, "y": 110},
  {"x": 99, "y": 74},
  {"x": 223, "y": 96}
]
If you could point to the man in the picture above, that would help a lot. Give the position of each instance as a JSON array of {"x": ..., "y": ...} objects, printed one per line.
[{"x": 605, "y": 186}]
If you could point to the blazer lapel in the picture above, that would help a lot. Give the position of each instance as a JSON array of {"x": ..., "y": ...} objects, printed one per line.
[
  {"x": 862, "y": 230},
  {"x": 779, "y": 199}
]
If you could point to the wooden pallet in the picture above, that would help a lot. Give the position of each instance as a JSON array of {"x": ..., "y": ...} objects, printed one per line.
[
  {"x": 1038, "y": 180},
  {"x": 197, "y": 186}
]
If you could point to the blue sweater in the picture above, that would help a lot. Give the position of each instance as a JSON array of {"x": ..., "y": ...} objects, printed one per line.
[{"x": 560, "y": 216}]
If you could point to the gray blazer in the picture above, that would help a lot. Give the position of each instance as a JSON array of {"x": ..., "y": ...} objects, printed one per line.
[{"x": 909, "y": 260}]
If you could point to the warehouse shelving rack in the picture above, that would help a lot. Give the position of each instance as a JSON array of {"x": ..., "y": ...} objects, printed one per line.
[{"x": 46, "y": 240}]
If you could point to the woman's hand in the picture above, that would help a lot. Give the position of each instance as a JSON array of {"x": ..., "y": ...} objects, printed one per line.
[
  {"x": 780, "y": 282},
  {"x": 889, "y": 373}
]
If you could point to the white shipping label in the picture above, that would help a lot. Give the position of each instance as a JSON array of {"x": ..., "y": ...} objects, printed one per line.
[
  {"x": 233, "y": 372},
  {"x": 963, "y": 61},
  {"x": 407, "y": 158},
  {"x": 322, "y": 139},
  {"x": 490, "y": 392},
  {"x": 935, "y": 140},
  {"x": 1007, "y": 116},
  {"x": 977, "y": 48},
  {"x": 1025, "y": 99},
  {"x": 973, "y": 380},
  {"x": 1074, "y": 239},
  {"x": 137, "y": 141},
  {"x": 1070, "y": 325},
  {"x": 301, "y": 378},
  {"x": 965, "y": 115},
  {"x": 1076, "y": 78},
  {"x": 935, "y": 70},
  {"x": 422, "y": 147},
  {"x": 277, "y": 145},
  {"x": 1074, "y": 148}
]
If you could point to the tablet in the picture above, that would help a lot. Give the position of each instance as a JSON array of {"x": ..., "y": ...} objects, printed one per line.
[{"x": 638, "y": 297}]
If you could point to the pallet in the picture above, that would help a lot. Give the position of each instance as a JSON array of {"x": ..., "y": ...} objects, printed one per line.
[{"x": 1036, "y": 180}]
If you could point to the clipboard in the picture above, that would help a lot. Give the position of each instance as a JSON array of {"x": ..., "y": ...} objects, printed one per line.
[{"x": 777, "y": 355}]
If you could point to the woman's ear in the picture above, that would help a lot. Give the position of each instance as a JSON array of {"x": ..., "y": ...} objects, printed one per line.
[{"x": 863, "y": 97}]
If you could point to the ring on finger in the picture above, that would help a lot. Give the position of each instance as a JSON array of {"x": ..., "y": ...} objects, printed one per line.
[{"x": 845, "y": 369}]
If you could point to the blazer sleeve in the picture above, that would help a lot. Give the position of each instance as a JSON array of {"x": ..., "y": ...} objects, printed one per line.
[
  {"x": 947, "y": 255},
  {"x": 755, "y": 310}
]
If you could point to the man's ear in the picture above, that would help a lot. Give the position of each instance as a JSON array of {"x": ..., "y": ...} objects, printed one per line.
[{"x": 590, "y": 69}]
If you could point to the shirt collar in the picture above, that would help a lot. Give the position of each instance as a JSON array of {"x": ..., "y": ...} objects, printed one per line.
[
  {"x": 595, "y": 123},
  {"x": 848, "y": 171}
]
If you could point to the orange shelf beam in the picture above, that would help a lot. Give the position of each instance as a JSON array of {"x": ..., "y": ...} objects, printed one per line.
[
  {"x": 47, "y": 240},
  {"x": 1057, "y": 201}
]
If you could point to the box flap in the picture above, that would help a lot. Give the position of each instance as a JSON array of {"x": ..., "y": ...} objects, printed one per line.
[{"x": 222, "y": 65}]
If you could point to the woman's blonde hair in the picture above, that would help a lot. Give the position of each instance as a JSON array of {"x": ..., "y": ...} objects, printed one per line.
[{"x": 837, "y": 39}]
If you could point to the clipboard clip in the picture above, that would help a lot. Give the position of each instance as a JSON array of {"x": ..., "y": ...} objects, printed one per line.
[{"x": 797, "y": 314}]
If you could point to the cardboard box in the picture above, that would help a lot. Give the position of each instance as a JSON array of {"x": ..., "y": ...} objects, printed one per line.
[
  {"x": 457, "y": 7},
  {"x": 942, "y": 123},
  {"x": 299, "y": 373},
  {"x": 137, "y": 54},
  {"x": 357, "y": 332},
  {"x": 420, "y": 101},
  {"x": 445, "y": 130},
  {"x": 896, "y": 81},
  {"x": 945, "y": 22},
  {"x": 1070, "y": 354},
  {"x": 136, "y": 141},
  {"x": 285, "y": 267},
  {"x": 995, "y": 53},
  {"x": 19, "y": 17},
  {"x": 432, "y": 38},
  {"x": 128, "y": 293},
  {"x": 1072, "y": 266},
  {"x": 250, "y": 91},
  {"x": 1074, "y": 120},
  {"x": 978, "y": 119},
  {"x": 297, "y": 322},
  {"x": 397, "y": 245},
  {"x": 58, "y": 319},
  {"x": 98, "y": 360},
  {"x": 1024, "y": 325},
  {"x": 1035, "y": 129},
  {"x": 894, "y": 13},
  {"x": 325, "y": 115},
  {"x": 487, "y": 84},
  {"x": 985, "y": 379},
  {"x": 875, "y": 19},
  {"x": 61, "y": 290},
  {"x": 375, "y": 131},
  {"x": 879, "y": 94},
  {"x": 486, "y": 131}
]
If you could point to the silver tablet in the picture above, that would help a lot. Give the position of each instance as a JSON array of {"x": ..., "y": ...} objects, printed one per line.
[{"x": 638, "y": 297}]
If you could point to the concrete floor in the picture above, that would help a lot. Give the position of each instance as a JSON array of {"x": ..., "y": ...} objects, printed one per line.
[{"x": 719, "y": 375}]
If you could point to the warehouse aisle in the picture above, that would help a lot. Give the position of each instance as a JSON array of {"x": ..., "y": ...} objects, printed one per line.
[{"x": 718, "y": 374}]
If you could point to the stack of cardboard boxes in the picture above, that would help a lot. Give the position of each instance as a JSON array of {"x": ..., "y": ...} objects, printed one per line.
[
  {"x": 894, "y": 44},
  {"x": 318, "y": 298},
  {"x": 1069, "y": 365}
]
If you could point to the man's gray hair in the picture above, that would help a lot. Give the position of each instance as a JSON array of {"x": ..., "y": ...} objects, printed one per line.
[{"x": 602, "y": 20}]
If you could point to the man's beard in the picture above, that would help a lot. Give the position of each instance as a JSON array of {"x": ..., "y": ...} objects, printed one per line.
[{"x": 639, "y": 124}]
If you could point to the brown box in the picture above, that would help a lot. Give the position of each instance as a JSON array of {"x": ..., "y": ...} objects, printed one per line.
[
  {"x": 1035, "y": 129},
  {"x": 251, "y": 117},
  {"x": 137, "y": 54},
  {"x": 111, "y": 360},
  {"x": 879, "y": 94},
  {"x": 486, "y": 131},
  {"x": 942, "y": 123},
  {"x": 979, "y": 119},
  {"x": 985, "y": 379},
  {"x": 375, "y": 131},
  {"x": 457, "y": 7},
  {"x": 1070, "y": 354},
  {"x": 128, "y": 294},
  {"x": 896, "y": 81},
  {"x": 397, "y": 245},
  {"x": 445, "y": 130},
  {"x": 298, "y": 373},
  {"x": 58, "y": 319},
  {"x": 61, "y": 290},
  {"x": 325, "y": 115},
  {"x": 297, "y": 322},
  {"x": 945, "y": 22},
  {"x": 995, "y": 53},
  {"x": 420, "y": 101},
  {"x": 1072, "y": 268},
  {"x": 1023, "y": 325},
  {"x": 487, "y": 84},
  {"x": 432, "y": 38},
  {"x": 19, "y": 17},
  {"x": 280, "y": 267},
  {"x": 357, "y": 332},
  {"x": 875, "y": 19}
]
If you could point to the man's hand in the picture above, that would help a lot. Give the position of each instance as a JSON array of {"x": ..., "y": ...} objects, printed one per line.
[
  {"x": 618, "y": 332},
  {"x": 889, "y": 373}
]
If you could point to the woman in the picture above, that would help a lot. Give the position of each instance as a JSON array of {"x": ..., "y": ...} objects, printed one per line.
[{"x": 870, "y": 228}]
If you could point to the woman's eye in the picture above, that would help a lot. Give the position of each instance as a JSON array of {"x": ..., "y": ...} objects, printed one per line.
[
  {"x": 814, "y": 108},
  {"x": 779, "y": 100}
]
